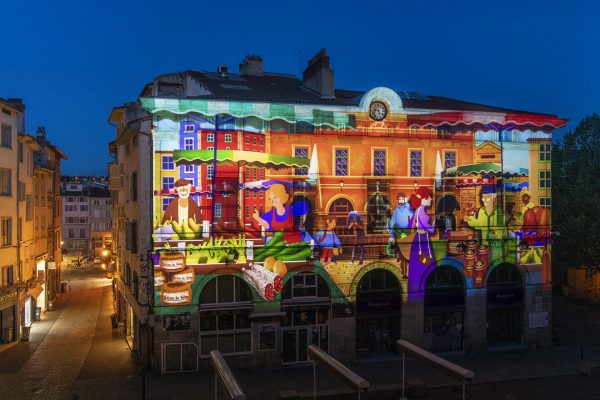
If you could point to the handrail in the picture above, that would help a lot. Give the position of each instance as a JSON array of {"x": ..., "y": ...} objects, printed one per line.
[
  {"x": 455, "y": 371},
  {"x": 349, "y": 377},
  {"x": 223, "y": 372}
]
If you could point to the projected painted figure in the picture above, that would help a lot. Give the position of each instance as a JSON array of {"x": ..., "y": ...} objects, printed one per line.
[
  {"x": 421, "y": 253},
  {"x": 329, "y": 242},
  {"x": 280, "y": 218},
  {"x": 489, "y": 219},
  {"x": 400, "y": 221},
  {"x": 355, "y": 222},
  {"x": 182, "y": 209}
]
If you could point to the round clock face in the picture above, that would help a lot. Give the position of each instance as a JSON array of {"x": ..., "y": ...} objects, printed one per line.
[{"x": 377, "y": 110}]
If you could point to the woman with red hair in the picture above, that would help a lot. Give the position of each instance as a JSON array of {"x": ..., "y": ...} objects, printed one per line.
[{"x": 421, "y": 254}]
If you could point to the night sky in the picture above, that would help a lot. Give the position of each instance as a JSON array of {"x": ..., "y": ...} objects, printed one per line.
[{"x": 73, "y": 61}]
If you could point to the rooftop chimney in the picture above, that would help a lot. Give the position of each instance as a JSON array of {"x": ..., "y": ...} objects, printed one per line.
[
  {"x": 41, "y": 135},
  {"x": 252, "y": 65},
  {"x": 318, "y": 76},
  {"x": 17, "y": 102},
  {"x": 222, "y": 70}
]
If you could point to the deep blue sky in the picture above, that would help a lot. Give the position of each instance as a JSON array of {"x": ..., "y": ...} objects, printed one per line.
[{"x": 72, "y": 61}]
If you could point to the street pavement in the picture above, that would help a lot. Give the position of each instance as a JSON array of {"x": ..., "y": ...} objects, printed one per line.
[{"x": 74, "y": 351}]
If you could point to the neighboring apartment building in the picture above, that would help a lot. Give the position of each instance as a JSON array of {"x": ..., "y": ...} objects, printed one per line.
[
  {"x": 284, "y": 211},
  {"x": 87, "y": 216},
  {"x": 25, "y": 209},
  {"x": 100, "y": 220}
]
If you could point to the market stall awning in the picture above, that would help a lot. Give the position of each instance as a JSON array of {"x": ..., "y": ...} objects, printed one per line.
[
  {"x": 486, "y": 168},
  {"x": 482, "y": 118},
  {"x": 265, "y": 184},
  {"x": 239, "y": 158}
]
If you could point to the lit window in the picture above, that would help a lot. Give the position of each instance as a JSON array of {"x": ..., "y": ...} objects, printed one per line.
[
  {"x": 341, "y": 162},
  {"x": 416, "y": 163},
  {"x": 379, "y": 160},
  {"x": 167, "y": 163},
  {"x": 449, "y": 159}
]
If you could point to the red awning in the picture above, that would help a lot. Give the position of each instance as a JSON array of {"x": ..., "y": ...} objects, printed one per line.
[{"x": 483, "y": 118}]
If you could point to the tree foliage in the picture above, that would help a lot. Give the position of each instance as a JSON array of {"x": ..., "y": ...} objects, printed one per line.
[{"x": 576, "y": 197}]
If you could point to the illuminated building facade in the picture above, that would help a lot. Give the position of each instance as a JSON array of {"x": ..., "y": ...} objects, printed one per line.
[{"x": 286, "y": 212}]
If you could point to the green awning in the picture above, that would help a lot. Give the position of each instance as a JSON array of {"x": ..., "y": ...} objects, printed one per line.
[
  {"x": 337, "y": 117},
  {"x": 239, "y": 158},
  {"x": 486, "y": 168}
]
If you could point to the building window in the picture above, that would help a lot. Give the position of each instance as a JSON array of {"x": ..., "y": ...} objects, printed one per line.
[
  {"x": 546, "y": 202},
  {"x": 210, "y": 137},
  {"x": 254, "y": 141},
  {"x": 134, "y": 188},
  {"x": 6, "y": 140},
  {"x": 71, "y": 233},
  {"x": 6, "y": 232},
  {"x": 301, "y": 152},
  {"x": 20, "y": 151},
  {"x": 226, "y": 329},
  {"x": 247, "y": 174},
  {"x": 341, "y": 162},
  {"x": 188, "y": 128},
  {"x": 545, "y": 179},
  {"x": 247, "y": 211},
  {"x": 83, "y": 207},
  {"x": 228, "y": 138},
  {"x": 218, "y": 210},
  {"x": 8, "y": 277},
  {"x": 545, "y": 152},
  {"x": 210, "y": 148},
  {"x": 247, "y": 139},
  {"x": 305, "y": 285},
  {"x": 210, "y": 171},
  {"x": 254, "y": 174},
  {"x": 262, "y": 141},
  {"x": 5, "y": 182},
  {"x": 416, "y": 164},
  {"x": 247, "y": 193},
  {"x": 188, "y": 144},
  {"x": 379, "y": 161},
  {"x": 167, "y": 163},
  {"x": 168, "y": 182},
  {"x": 449, "y": 159},
  {"x": 188, "y": 168}
]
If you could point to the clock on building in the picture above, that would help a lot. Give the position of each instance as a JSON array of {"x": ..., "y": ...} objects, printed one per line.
[{"x": 378, "y": 110}]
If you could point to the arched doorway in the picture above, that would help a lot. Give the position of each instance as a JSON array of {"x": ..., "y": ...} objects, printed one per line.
[
  {"x": 224, "y": 311},
  {"x": 444, "y": 310},
  {"x": 378, "y": 312},
  {"x": 339, "y": 209},
  {"x": 305, "y": 223},
  {"x": 504, "y": 305},
  {"x": 445, "y": 218},
  {"x": 307, "y": 306},
  {"x": 378, "y": 211}
]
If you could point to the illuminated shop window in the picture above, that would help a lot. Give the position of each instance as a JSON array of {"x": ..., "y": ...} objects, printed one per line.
[
  {"x": 301, "y": 152},
  {"x": 210, "y": 137},
  {"x": 168, "y": 182},
  {"x": 341, "y": 162},
  {"x": 167, "y": 163},
  {"x": 545, "y": 152},
  {"x": 416, "y": 164},
  {"x": 546, "y": 202},
  {"x": 189, "y": 128},
  {"x": 545, "y": 179},
  {"x": 449, "y": 159},
  {"x": 226, "y": 304},
  {"x": 379, "y": 160},
  {"x": 228, "y": 137},
  {"x": 188, "y": 144}
]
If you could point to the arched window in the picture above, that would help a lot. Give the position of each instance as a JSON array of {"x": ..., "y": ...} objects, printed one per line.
[
  {"x": 378, "y": 210},
  {"x": 444, "y": 286},
  {"x": 305, "y": 285},
  {"x": 505, "y": 275},
  {"x": 339, "y": 209},
  {"x": 225, "y": 304}
]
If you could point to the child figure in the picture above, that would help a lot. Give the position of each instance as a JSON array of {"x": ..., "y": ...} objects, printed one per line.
[{"x": 329, "y": 242}]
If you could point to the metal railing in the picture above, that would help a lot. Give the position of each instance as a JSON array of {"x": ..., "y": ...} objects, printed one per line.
[
  {"x": 452, "y": 370},
  {"x": 223, "y": 373},
  {"x": 351, "y": 379}
]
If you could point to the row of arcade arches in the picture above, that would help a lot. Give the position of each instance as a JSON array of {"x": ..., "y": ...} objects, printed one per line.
[{"x": 226, "y": 304}]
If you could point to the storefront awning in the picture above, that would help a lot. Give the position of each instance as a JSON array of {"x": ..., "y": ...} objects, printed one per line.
[
  {"x": 239, "y": 158},
  {"x": 265, "y": 184},
  {"x": 36, "y": 291},
  {"x": 486, "y": 168},
  {"x": 498, "y": 119}
]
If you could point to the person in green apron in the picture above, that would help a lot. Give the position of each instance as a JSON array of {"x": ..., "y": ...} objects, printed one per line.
[{"x": 490, "y": 220}]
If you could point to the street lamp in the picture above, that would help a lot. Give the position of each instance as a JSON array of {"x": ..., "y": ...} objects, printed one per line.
[{"x": 341, "y": 186}]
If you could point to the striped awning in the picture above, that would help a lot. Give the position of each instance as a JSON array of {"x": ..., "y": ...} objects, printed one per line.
[
  {"x": 486, "y": 168},
  {"x": 239, "y": 158}
]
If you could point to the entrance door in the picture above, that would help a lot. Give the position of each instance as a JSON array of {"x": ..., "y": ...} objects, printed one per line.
[
  {"x": 296, "y": 340},
  {"x": 504, "y": 325},
  {"x": 378, "y": 308},
  {"x": 504, "y": 305}
]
